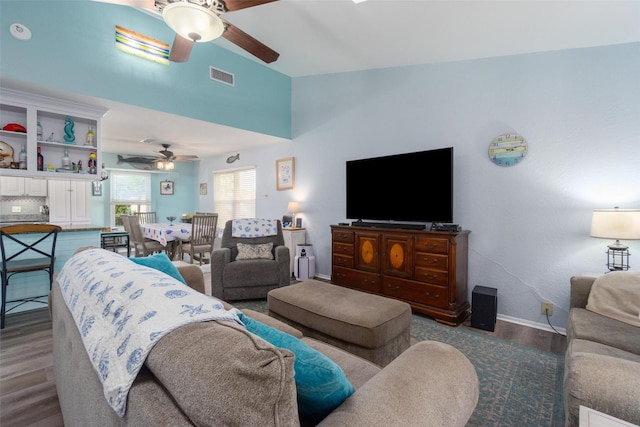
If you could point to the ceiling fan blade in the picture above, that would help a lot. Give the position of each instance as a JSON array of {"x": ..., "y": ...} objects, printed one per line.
[
  {"x": 181, "y": 49},
  {"x": 193, "y": 157},
  {"x": 248, "y": 43},
  {"x": 143, "y": 4},
  {"x": 231, "y": 5}
]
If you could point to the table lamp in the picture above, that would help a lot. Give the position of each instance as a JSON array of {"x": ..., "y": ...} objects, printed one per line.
[
  {"x": 616, "y": 224},
  {"x": 293, "y": 208}
]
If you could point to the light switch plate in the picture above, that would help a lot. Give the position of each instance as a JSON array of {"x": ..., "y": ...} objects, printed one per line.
[{"x": 15, "y": 209}]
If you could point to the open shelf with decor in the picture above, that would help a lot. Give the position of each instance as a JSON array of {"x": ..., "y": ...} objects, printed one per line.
[{"x": 65, "y": 133}]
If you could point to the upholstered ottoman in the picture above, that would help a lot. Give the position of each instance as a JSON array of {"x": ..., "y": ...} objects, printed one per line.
[{"x": 370, "y": 326}]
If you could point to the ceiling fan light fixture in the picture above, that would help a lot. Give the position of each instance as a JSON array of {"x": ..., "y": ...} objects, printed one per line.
[
  {"x": 193, "y": 22},
  {"x": 165, "y": 164}
]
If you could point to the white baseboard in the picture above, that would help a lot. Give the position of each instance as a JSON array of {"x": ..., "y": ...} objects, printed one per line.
[{"x": 541, "y": 326}]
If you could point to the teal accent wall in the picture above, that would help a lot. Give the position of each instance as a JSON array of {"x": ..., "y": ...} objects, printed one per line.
[
  {"x": 182, "y": 201},
  {"x": 73, "y": 48}
]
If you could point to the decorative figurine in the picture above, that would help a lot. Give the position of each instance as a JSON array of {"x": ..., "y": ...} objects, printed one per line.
[
  {"x": 93, "y": 165},
  {"x": 69, "y": 137}
]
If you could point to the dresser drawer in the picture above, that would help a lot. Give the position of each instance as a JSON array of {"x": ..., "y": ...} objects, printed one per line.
[
  {"x": 435, "y": 261},
  {"x": 356, "y": 279},
  {"x": 432, "y": 245},
  {"x": 428, "y": 275},
  {"x": 343, "y": 236},
  {"x": 343, "y": 260},
  {"x": 421, "y": 293},
  {"x": 343, "y": 249}
]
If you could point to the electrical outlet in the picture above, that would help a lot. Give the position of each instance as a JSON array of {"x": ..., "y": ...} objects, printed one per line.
[
  {"x": 16, "y": 209},
  {"x": 547, "y": 308}
]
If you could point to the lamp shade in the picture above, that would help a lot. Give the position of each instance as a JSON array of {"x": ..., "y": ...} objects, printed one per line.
[
  {"x": 620, "y": 224},
  {"x": 193, "y": 22},
  {"x": 293, "y": 207}
]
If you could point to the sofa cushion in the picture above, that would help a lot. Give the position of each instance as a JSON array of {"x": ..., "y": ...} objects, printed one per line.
[
  {"x": 321, "y": 384},
  {"x": 617, "y": 295},
  {"x": 160, "y": 262},
  {"x": 587, "y": 325},
  {"x": 260, "y": 251},
  {"x": 255, "y": 272},
  {"x": 213, "y": 368}
]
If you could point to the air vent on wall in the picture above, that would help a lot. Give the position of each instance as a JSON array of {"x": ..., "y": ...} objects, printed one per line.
[{"x": 221, "y": 76}]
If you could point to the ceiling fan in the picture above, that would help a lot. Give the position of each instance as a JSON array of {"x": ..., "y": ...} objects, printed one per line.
[
  {"x": 200, "y": 21},
  {"x": 166, "y": 155},
  {"x": 163, "y": 161}
]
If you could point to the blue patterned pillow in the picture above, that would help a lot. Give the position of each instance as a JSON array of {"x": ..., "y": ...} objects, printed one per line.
[
  {"x": 160, "y": 262},
  {"x": 321, "y": 384}
]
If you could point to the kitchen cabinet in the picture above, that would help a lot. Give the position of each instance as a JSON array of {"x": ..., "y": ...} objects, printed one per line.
[
  {"x": 18, "y": 186},
  {"x": 69, "y": 201},
  {"x": 57, "y": 119}
]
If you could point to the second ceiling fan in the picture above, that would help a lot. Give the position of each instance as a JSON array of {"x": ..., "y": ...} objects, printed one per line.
[{"x": 200, "y": 21}]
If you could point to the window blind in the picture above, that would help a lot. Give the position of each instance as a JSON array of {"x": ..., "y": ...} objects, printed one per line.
[
  {"x": 127, "y": 187},
  {"x": 234, "y": 194}
]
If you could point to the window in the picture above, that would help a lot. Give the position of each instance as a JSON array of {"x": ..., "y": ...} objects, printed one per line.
[
  {"x": 234, "y": 194},
  {"x": 130, "y": 192}
]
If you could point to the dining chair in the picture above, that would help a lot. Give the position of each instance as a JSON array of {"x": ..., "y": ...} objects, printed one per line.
[
  {"x": 25, "y": 248},
  {"x": 142, "y": 246},
  {"x": 203, "y": 234},
  {"x": 127, "y": 228},
  {"x": 146, "y": 217}
]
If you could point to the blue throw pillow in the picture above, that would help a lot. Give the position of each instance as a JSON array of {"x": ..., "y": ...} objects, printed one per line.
[
  {"x": 160, "y": 262},
  {"x": 321, "y": 384}
]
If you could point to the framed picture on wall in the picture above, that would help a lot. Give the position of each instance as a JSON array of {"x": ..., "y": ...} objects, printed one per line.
[
  {"x": 203, "y": 188},
  {"x": 285, "y": 174},
  {"x": 166, "y": 188}
]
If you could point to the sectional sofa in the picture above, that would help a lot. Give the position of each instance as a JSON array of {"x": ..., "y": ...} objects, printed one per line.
[{"x": 217, "y": 373}]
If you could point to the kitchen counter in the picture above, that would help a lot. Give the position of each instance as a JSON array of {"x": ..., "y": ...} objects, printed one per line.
[
  {"x": 70, "y": 239},
  {"x": 66, "y": 227}
]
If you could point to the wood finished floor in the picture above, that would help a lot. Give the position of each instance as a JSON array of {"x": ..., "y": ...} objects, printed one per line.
[{"x": 28, "y": 395}]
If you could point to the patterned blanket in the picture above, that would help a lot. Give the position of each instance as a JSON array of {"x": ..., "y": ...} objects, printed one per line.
[
  {"x": 122, "y": 309},
  {"x": 254, "y": 227}
]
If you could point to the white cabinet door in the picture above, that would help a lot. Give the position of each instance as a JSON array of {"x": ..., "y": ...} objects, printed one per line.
[
  {"x": 35, "y": 187},
  {"x": 19, "y": 186},
  {"x": 80, "y": 205},
  {"x": 11, "y": 186},
  {"x": 69, "y": 202}
]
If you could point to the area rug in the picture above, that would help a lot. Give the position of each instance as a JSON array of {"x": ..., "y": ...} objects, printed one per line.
[{"x": 519, "y": 385}]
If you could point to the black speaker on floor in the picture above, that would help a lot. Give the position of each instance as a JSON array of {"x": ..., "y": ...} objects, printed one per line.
[{"x": 484, "y": 308}]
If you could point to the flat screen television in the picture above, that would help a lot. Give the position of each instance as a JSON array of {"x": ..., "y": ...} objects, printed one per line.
[{"x": 412, "y": 187}]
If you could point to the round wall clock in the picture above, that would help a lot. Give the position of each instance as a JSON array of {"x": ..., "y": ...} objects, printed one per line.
[{"x": 508, "y": 149}]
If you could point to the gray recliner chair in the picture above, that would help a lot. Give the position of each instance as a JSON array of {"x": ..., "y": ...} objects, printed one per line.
[{"x": 233, "y": 279}]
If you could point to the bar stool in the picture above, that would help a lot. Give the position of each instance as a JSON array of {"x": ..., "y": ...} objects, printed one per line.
[{"x": 20, "y": 256}]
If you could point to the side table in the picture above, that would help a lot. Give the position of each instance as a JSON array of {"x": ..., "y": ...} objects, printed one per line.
[
  {"x": 293, "y": 237},
  {"x": 114, "y": 240},
  {"x": 592, "y": 418}
]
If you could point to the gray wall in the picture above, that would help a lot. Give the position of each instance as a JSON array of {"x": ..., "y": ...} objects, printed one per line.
[{"x": 579, "y": 111}]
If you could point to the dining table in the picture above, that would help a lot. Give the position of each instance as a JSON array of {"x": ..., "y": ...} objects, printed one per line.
[{"x": 169, "y": 235}]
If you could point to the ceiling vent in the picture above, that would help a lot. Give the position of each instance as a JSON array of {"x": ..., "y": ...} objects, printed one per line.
[{"x": 221, "y": 76}]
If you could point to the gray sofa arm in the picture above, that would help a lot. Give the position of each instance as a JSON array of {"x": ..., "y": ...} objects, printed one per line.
[
  {"x": 219, "y": 258},
  {"x": 192, "y": 274},
  {"x": 580, "y": 289},
  {"x": 604, "y": 383},
  {"x": 283, "y": 259},
  {"x": 431, "y": 382}
]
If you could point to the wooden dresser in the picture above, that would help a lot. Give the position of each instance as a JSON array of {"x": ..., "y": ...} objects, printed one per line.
[{"x": 427, "y": 269}]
